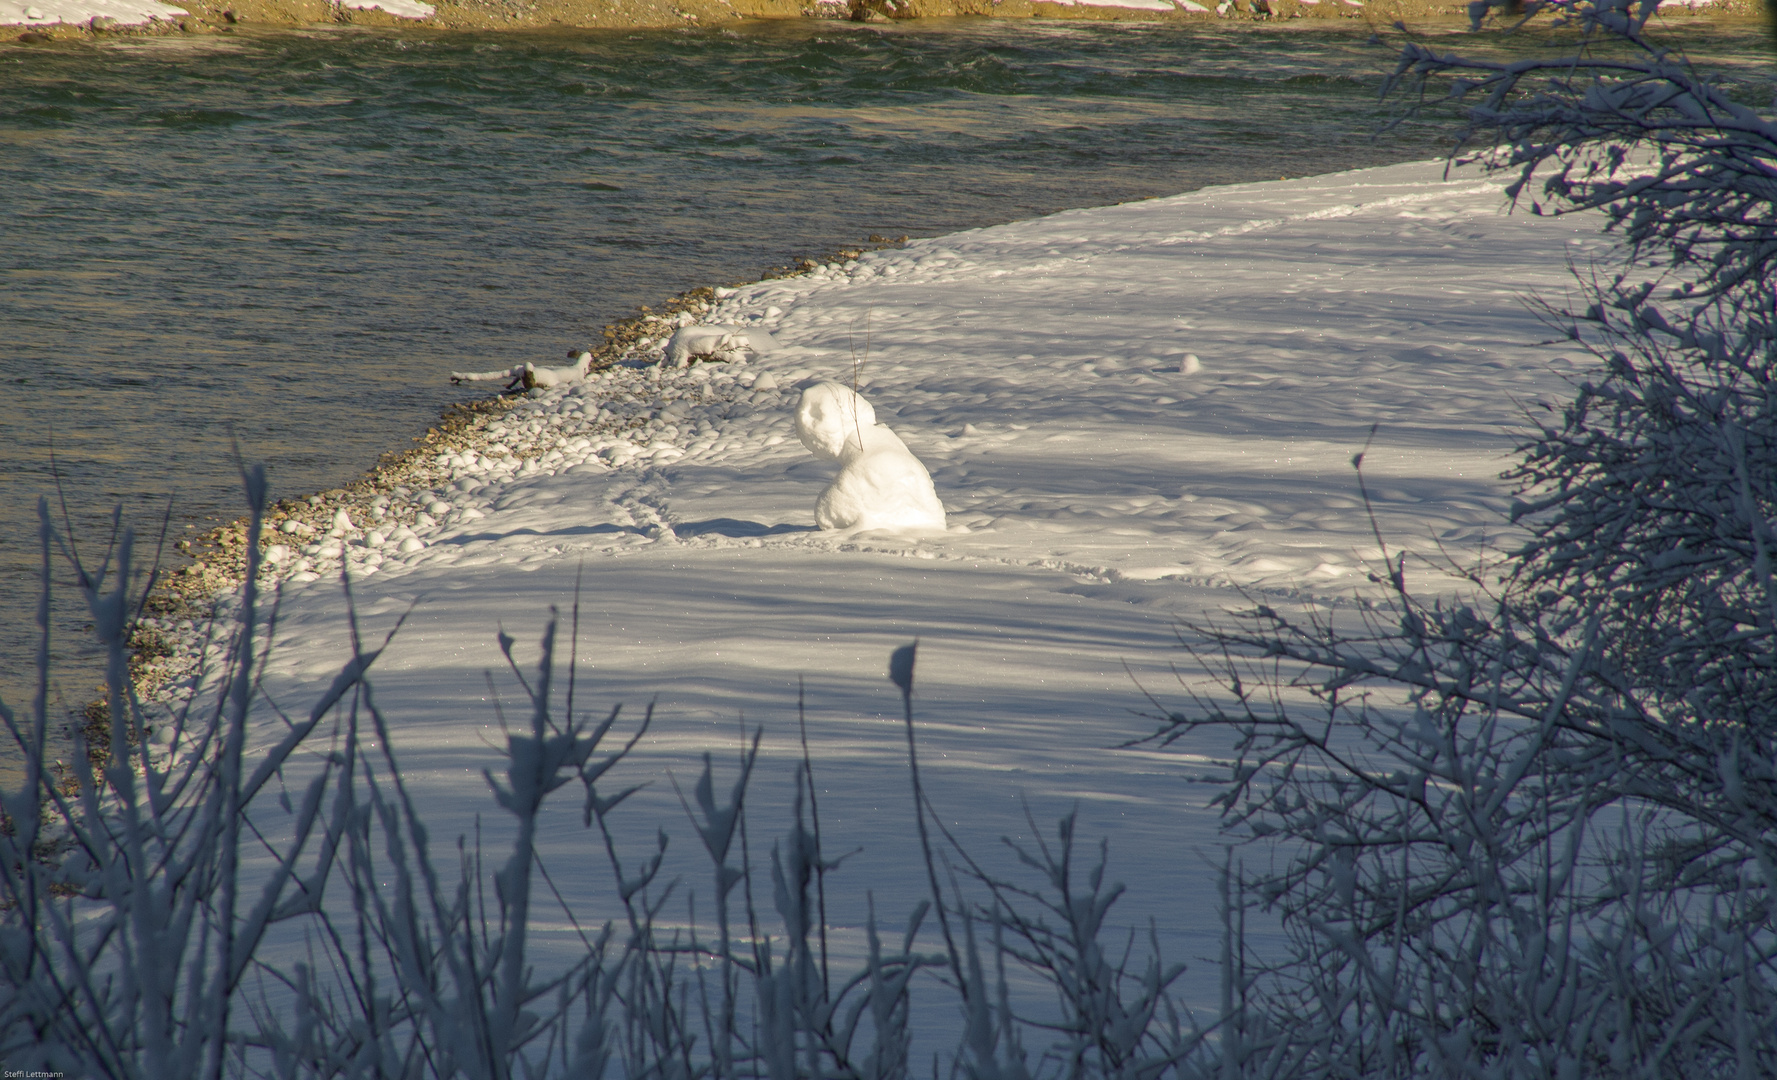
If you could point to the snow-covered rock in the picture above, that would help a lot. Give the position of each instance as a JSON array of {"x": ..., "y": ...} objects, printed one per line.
[
  {"x": 689, "y": 341},
  {"x": 559, "y": 376},
  {"x": 881, "y": 485},
  {"x": 530, "y": 376},
  {"x": 1138, "y": 5}
]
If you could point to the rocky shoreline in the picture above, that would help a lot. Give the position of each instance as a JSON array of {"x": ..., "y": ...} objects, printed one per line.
[
  {"x": 183, "y": 635},
  {"x": 392, "y": 497},
  {"x": 627, "y": 411}
]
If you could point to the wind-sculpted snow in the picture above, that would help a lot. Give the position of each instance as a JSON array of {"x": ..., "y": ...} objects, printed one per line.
[{"x": 1035, "y": 369}]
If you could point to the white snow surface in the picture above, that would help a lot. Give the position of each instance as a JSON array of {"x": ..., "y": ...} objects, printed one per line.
[
  {"x": 47, "y": 12},
  {"x": 1101, "y": 495}
]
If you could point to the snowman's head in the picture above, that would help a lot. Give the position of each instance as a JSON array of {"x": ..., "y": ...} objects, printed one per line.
[{"x": 830, "y": 415}]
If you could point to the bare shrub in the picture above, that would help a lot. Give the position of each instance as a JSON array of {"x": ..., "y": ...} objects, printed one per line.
[
  {"x": 148, "y": 922},
  {"x": 1533, "y": 833},
  {"x": 1622, "y": 124}
]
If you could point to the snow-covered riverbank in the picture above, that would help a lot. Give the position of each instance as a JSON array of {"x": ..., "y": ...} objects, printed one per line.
[
  {"x": 1167, "y": 392},
  {"x": 1130, "y": 413}
]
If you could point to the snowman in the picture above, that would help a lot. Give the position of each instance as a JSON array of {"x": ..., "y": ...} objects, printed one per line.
[{"x": 881, "y": 485}]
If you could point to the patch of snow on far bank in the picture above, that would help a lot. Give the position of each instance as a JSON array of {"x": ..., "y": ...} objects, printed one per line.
[
  {"x": 1139, "y": 5},
  {"x": 401, "y": 9},
  {"x": 50, "y": 12}
]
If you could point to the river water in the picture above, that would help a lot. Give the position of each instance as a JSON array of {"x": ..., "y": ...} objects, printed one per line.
[{"x": 285, "y": 240}]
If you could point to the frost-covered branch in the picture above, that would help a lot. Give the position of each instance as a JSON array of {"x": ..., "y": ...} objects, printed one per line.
[
  {"x": 1651, "y": 502},
  {"x": 138, "y": 940},
  {"x": 1686, "y": 175},
  {"x": 129, "y": 928},
  {"x": 1535, "y": 831}
]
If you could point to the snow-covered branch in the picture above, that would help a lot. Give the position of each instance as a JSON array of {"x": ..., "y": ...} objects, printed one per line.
[
  {"x": 1536, "y": 830},
  {"x": 529, "y": 375},
  {"x": 146, "y": 919},
  {"x": 1685, "y": 173}
]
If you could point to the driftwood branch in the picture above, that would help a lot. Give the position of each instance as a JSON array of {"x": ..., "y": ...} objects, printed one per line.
[{"x": 530, "y": 375}]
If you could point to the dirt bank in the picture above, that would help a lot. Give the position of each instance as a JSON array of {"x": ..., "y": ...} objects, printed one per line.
[{"x": 222, "y": 16}]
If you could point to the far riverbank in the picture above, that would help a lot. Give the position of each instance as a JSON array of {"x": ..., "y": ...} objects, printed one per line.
[{"x": 64, "y": 20}]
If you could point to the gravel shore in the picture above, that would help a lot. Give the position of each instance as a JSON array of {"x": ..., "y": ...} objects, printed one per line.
[{"x": 615, "y": 416}]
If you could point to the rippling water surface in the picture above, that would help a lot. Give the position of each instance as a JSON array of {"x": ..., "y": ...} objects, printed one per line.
[{"x": 288, "y": 239}]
